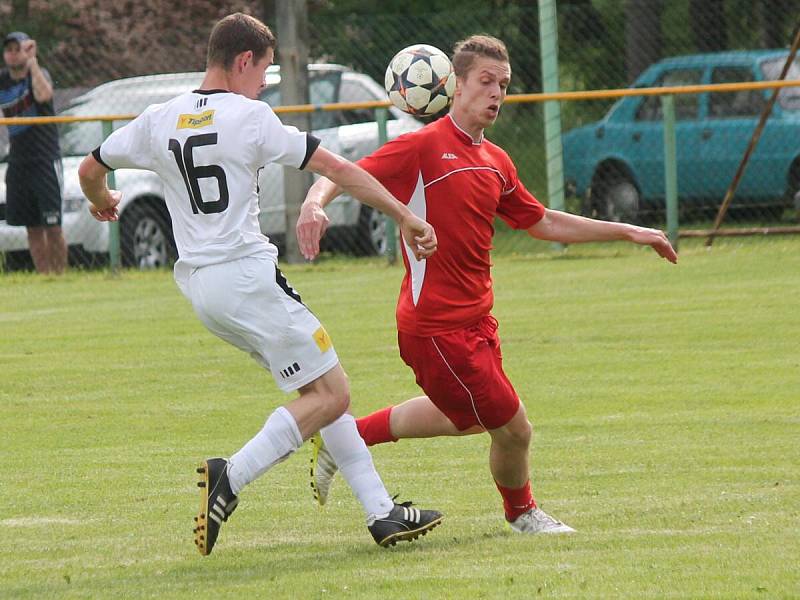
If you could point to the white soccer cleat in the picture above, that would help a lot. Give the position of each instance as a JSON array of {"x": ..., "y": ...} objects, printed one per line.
[
  {"x": 323, "y": 469},
  {"x": 538, "y": 521}
]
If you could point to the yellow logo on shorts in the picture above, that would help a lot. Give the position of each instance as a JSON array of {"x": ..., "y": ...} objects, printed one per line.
[
  {"x": 196, "y": 121},
  {"x": 323, "y": 339}
]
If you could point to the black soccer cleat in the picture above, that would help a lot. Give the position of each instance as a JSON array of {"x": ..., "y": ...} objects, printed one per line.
[
  {"x": 217, "y": 503},
  {"x": 404, "y": 524}
]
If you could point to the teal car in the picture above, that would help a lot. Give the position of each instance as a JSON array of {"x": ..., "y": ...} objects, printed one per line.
[{"x": 616, "y": 165}]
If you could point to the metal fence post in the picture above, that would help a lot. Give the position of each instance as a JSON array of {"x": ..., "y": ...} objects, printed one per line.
[
  {"x": 381, "y": 117},
  {"x": 114, "y": 254},
  {"x": 670, "y": 169},
  {"x": 292, "y": 20},
  {"x": 548, "y": 26}
]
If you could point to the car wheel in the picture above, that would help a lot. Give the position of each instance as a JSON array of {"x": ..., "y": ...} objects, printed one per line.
[
  {"x": 792, "y": 199},
  {"x": 772, "y": 212},
  {"x": 371, "y": 232},
  {"x": 147, "y": 241},
  {"x": 16, "y": 260},
  {"x": 618, "y": 201}
]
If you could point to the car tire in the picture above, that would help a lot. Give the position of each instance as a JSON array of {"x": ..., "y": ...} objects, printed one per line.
[
  {"x": 370, "y": 237},
  {"x": 16, "y": 260},
  {"x": 772, "y": 212},
  {"x": 617, "y": 200},
  {"x": 792, "y": 200},
  {"x": 146, "y": 237}
]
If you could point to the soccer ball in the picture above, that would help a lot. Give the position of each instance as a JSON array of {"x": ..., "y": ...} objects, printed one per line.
[{"x": 420, "y": 80}]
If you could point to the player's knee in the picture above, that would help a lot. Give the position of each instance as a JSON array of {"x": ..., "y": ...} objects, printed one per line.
[
  {"x": 332, "y": 393},
  {"x": 526, "y": 433},
  {"x": 521, "y": 433},
  {"x": 341, "y": 402},
  {"x": 336, "y": 404},
  {"x": 517, "y": 433}
]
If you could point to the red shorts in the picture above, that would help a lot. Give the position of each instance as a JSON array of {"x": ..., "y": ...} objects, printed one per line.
[{"x": 462, "y": 374}]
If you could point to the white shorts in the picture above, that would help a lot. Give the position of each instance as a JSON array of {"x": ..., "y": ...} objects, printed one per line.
[{"x": 249, "y": 303}]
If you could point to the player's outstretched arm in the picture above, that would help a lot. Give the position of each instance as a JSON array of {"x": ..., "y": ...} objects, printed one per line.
[
  {"x": 103, "y": 202},
  {"x": 340, "y": 175},
  {"x": 558, "y": 226}
]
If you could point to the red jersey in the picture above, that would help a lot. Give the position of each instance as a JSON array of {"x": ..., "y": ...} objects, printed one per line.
[{"x": 458, "y": 186}]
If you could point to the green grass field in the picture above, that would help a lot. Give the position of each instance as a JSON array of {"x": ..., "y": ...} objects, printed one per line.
[{"x": 665, "y": 401}]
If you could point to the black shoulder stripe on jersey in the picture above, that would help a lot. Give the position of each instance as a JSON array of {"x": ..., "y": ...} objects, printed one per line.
[
  {"x": 96, "y": 154},
  {"x": 312, "y": 143}
]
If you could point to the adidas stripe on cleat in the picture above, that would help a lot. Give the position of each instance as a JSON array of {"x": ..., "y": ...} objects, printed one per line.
[
  {"x": 322, "y": 470},
  {"x": 403, "y": 524},
  {"x": 217, "y": 503}
]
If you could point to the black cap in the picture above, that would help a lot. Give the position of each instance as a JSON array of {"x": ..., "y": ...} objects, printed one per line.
[{"x": 15, "y": 36}]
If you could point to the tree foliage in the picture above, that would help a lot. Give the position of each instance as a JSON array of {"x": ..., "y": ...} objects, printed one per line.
[
  {"x": 86, "y": 42},
  {"x": 602, "y": 43}
]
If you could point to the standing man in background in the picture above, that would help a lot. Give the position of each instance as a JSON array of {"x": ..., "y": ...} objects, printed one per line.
[{"x": 33, "y": 178}]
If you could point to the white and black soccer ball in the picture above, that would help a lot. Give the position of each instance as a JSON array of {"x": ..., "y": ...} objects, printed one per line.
[{"x": 420, "y": 80}]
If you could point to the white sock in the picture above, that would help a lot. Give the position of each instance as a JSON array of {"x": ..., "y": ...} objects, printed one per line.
[
  {"x": 355, "y": 463},
  {"x": 278, "y": 439}
]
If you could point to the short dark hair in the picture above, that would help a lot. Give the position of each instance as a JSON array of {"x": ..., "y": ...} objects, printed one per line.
[
  {"x": 466, "y": 51},
  {"x": 235, "y": 34}
]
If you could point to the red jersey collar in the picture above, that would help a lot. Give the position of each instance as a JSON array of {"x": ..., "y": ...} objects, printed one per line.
[{"x": 463, "y": 134}]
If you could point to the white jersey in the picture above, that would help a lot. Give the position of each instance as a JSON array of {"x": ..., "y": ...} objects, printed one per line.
[{"x": 207, "y": 147}]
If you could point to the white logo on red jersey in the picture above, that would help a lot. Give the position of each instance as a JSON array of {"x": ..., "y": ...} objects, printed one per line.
[{"x": 449, "y": 156}]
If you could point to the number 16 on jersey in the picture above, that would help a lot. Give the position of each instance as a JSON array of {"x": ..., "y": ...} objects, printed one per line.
[{"x": 192, "y": 173}]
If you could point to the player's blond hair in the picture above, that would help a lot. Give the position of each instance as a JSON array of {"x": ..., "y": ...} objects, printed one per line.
[
  {"x": 466, "y": 51},
  {"x": 235, "y": 34}
]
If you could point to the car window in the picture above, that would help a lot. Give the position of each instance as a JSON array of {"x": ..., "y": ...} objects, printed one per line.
[
  {"x": 743, "y": 103},
  {"x": 355, "y": 91},
  {"x": 687, "y": 106},
  {"x": 789, "y": 98},
  {"x": 323, "y": 89},
  {"x": 78, "y": 139}
]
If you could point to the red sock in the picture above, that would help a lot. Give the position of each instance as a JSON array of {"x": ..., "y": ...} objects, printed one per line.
[
  {"x": 516, "y": 502},
  {"x": 375, "y": 428}
]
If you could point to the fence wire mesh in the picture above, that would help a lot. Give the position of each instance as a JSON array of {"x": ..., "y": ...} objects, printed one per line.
[{"x": 612, "y": 150}]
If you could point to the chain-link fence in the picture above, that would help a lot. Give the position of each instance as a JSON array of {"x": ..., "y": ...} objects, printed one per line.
[{"x": 612, "y": 150}]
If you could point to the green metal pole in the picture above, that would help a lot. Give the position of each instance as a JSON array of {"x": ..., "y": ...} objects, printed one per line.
[
  {"x": 382, "y": 117},
  {"x": 670, "y": 169},
  {"x": 548, "y": 28},
  {"x": 114, "y": 255}
]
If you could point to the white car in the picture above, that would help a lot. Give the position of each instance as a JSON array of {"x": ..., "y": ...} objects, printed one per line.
[{"x": 145, "y": 228}]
